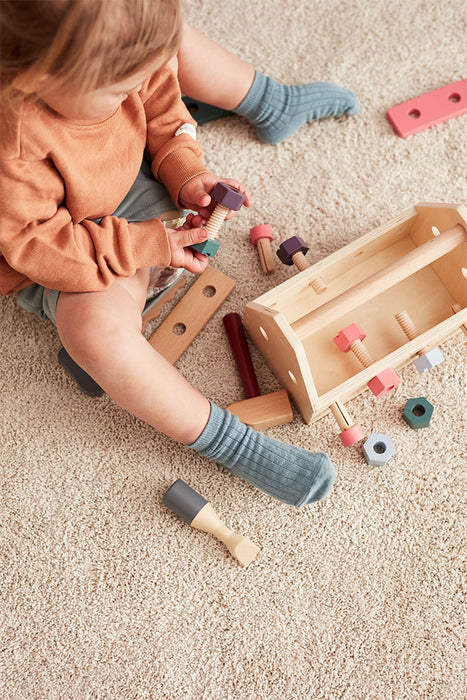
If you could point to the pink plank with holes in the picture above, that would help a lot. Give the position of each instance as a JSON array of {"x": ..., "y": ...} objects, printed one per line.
[{"x": 427, "y": 110}]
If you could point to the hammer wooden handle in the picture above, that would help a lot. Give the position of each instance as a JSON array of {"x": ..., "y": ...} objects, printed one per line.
[{"x": 241, "y": 353}]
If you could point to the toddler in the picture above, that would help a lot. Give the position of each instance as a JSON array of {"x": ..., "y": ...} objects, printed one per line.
[{"x": 89, "y": 87}]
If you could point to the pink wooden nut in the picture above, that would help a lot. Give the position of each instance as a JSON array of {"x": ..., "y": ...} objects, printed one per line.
[
  {"x": 347, "y": 335},
  {"x": 384, "y": 382},
  {"x": 259, "y": 232},
  {"x": 352, "y": 435}
]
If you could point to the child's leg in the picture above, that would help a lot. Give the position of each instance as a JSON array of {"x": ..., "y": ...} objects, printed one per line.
[
  {"x": 209, "y": 73},
  {"x": 102, "y": 333}
]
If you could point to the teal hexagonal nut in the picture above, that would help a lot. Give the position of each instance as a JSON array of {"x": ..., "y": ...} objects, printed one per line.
[
  {"x": 208, "y": 247},
  {"x": 418, "y": 413}
]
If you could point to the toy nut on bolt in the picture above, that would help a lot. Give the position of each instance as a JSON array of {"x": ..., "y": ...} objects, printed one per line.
[
  {"x": 292, "y": 252},
  {"x": 350, "y": 338},
  {"x": 227, "y": 198}
]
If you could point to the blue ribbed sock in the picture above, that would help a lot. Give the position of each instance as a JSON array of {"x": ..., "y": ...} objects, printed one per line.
[
  {"x": 291, "y": 474},
  {"x": 277, "y": 111}
]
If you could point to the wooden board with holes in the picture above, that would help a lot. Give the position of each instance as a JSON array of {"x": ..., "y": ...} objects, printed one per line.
[
  {"x": 429, "y": 109},
  {"x": 191, "y": 314}
]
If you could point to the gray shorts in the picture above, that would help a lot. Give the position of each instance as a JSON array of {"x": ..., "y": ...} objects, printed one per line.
[{"x": 147, "y": 199}]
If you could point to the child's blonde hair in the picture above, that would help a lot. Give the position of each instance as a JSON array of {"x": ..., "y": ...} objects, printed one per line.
[{"x": 84, "y": 44}]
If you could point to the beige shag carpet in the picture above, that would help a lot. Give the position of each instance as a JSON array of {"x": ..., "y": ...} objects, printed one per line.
[{"x": 104, "y": 593}]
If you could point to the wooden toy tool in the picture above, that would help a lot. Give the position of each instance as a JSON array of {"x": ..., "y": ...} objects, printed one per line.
[
  {"x": 426, "y": 357},
  {"x": 427, "y": 110},
  {"x": 418, "y": 258},
  {"x": 261, "y": 237},
  {"x": 257, "y": 411},
  {"x": 351, "y": 432},
  {"x": 292, "y": 252},
  {"x": 191, "y": 314},
  {"x": 191, "y": 507},
  {"x": 227, "y": 198}
]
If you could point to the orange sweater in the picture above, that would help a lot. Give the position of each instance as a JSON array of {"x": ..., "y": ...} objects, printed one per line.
[{"x": 57, "y": 176}]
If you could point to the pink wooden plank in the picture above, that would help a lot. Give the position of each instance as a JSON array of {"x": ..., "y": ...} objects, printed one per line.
[{"x": 432, "y": 108}]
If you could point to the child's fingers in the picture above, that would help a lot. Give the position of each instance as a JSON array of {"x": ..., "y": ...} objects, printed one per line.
[
  {"x": 193, "y": 221},
  {"x": 197, "y": 262},
  {"x": 187, "y": 237}
]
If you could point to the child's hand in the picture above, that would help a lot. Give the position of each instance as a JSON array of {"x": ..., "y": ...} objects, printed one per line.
[
  {"x": 195, "y": 194},
  {"x": 182, "y": 238}
]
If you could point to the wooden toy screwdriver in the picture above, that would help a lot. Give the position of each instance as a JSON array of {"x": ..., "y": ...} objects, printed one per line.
[{"x": 191, "y": 507}]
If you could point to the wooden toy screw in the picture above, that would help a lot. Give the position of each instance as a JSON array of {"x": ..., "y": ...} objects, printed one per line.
[
  {"x": 408, "y": 326},
  {"x": 350, "y": 338},
  {"x": 292, "y": 252},
  {"x": 191, "y": 507},
  {"x": 426, "y": 358},
  {"x": 227, "y": 198}
]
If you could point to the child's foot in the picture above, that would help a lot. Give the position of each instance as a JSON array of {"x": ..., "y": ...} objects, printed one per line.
[
  {"x": 291, "y": 474},
  {"x": 278, "y": 111}
]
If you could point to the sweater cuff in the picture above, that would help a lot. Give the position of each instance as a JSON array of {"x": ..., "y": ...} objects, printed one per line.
[
  {"x": 177, "y": 168},
  {"x": 150, "y": 243}
]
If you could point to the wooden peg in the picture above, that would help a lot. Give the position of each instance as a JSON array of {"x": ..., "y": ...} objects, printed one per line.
[
  {"x": 191, "y": 507},
  {"x": 261, "y": 237},
  {"x": 258, "y": 411},
  {"x": 351, "y": 432}
]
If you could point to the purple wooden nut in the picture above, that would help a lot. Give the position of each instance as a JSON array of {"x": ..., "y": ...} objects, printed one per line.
[
  {"x": 289, "y": 248},
  {"x": 227, "y": 195}
]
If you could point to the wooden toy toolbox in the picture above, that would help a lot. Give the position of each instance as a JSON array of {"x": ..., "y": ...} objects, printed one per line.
[{"x": 416, "y": 262}]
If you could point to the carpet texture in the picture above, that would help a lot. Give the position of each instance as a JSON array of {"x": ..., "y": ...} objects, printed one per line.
[{"x": 104, "y": 593}]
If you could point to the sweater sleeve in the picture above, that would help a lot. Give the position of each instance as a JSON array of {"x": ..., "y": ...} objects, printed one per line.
[
  {"x": 176, "y": 158},
  {"x": 39, "y": 239}
]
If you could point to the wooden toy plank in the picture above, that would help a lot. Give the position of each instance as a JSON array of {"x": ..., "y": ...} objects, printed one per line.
[
  {"x": 191, "y": 314},
  {"x": 155, "y": 310},
  {"x": 264, "y": 411},
  {"x": 427, "y": 110}
]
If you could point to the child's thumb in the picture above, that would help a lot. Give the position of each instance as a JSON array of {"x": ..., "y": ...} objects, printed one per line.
[{"x": 193, "y": 235}]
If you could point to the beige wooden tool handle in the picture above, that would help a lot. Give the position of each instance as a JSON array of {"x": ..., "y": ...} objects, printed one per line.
[
  {"x": 240, "y": 547},
  {"x": 342, "y": 416},
  {"x": 381, "y": 281}
]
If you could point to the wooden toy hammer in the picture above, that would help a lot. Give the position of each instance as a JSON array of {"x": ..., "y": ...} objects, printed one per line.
[
  {"x": 190, "y": 506},
  {"x": 257, "y": 411}
]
